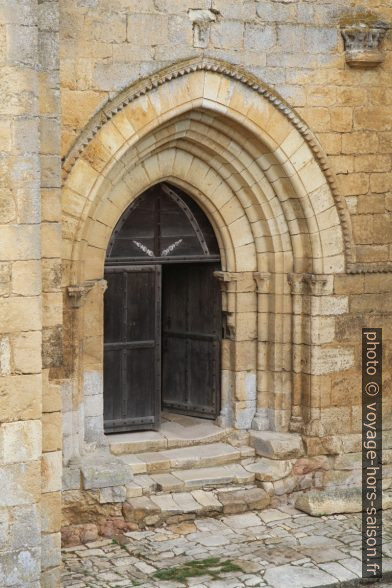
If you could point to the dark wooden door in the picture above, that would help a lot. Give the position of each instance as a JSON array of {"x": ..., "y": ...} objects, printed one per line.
[
  {"x": 191, "y": 334},
  {"x": 132, "y": 354}
]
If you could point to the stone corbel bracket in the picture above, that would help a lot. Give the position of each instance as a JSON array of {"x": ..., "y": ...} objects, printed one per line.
[
  {"x": 201, "y": 23},
  {"x": 316, "y": 283},
  {"x": 78, "y": 293},
  {"x": 362, "y": 42}
]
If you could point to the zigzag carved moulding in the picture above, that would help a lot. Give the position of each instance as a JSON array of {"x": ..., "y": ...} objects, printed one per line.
[{"x": 181, "y": 69}]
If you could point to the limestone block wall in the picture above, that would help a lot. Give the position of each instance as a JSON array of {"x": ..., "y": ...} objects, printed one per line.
[
  {"x": 31, "y": 300},
  {"x": 52, "y": 312},
  {"x": 20, "y": 297},
  {"x": 295, "y": 47}
]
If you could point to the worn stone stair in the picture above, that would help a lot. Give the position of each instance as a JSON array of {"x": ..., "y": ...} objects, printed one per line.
[
  {"x": 176, "y": 507},
  {"x": 176, "y": 431},
  {"x": 176, "y": 484},
  {"x": 214, "y": 454},
  {"x": 189, "y": 468}
]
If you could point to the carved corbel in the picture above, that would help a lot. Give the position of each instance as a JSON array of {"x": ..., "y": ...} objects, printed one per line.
[
  {"x": 316, "y": 283},
  {"x": 201, "y": 22},
  {"x": 78, "y": 293},
  {"x": 362, "y": 37}
]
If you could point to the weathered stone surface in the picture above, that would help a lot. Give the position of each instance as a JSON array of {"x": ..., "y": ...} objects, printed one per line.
[
  {"x": 326, "y": 502},
  {"x": 20, "y": 483},
  {"x": 166, "y": 504},
  {"x": 235, "y": 501},
  {"x": 51, "y": 468},
  {"x": 297, "y": 577},
  {"x": 207, "y": 500},
  {"x": 71, "y": 478},
  {"x": 133, "y": 490},
  {"x": 20, "y": 442},
  {"x": 277, "y": 445},
  {"x": 201, "y": 477},
  {"x": 51, "y": 550},
  {"x": 269, "y": 470},
  {"x": 112, "y": 494},
  {"x": 20, "y": 567},
  {"x": 137, "y": 509},
  {"x": 51, "y": 512},
  {"x": 187, "y": 503},
  {"x": 167, "y": 482},
  {"x": 104, "y": 471}
]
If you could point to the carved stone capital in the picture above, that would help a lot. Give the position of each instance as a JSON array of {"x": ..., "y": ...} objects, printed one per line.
[
  {"x": 263, "y": 282},
  {"x": 78, "y": 293},
  {"x": 297, "y": 283},
  {"x": 362, "y": 40},
  {"x": 235, "y": 281},
  {"x": 316, "y": 283}
]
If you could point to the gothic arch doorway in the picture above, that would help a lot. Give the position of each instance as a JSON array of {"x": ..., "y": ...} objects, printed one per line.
[{"x": 162, "y": 313}]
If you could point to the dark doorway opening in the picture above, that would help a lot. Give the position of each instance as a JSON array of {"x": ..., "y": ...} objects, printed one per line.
[{"x": 162, "y": 313}]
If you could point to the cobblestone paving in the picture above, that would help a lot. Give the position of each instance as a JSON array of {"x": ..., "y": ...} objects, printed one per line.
[{"x": 278, "y": 548}]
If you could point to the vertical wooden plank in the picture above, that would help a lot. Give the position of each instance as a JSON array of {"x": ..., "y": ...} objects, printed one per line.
[
  {"x": 132, "y": 348},
  {"x": 191, "y": 340}
]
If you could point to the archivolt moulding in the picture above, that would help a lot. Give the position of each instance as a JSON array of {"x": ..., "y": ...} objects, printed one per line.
[{"x": 184, "y": 68}]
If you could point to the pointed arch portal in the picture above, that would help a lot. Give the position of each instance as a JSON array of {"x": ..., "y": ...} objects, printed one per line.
[
  {"x": 162, "y": 315},
  {"x": 282, "y": 229}
]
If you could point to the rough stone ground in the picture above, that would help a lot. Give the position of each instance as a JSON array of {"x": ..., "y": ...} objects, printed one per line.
[{"x": 277, "y": 548}]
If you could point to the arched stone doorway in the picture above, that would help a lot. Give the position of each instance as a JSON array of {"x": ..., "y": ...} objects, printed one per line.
[
  {"x": 282, "y": 227},
  {"x": 162, "y": 313}
]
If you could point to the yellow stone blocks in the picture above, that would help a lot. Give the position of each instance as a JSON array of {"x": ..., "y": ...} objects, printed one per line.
[
  {"x": 51, "y": 512},
  {"x": 51, "y": 431},
  {"x": 20, "y": 441},
  {"x": 20, "y": 314},
  {"x": 51, "y": 470},
  {"x": 26, "y": 351}
]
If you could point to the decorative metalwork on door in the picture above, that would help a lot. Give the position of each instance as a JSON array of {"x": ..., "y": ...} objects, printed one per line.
[{"x": 159, "y": 270}]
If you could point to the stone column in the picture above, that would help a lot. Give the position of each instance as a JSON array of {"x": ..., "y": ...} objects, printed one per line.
[
  {"x": 317, "y": 285},
  {"x": 297, "y": 286},
  {"x": 20, "y": 297},
  {"x": 239, "y": 349},
  {"x": 261, "y": 418}
]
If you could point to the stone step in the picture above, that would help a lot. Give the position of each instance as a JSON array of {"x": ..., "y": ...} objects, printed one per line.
[
  {"x": 184, "y": 432},
  {"x": 186, "y": 458},
  {"x": 189, "y": 479},
  {"x": 178, "y": 507}
]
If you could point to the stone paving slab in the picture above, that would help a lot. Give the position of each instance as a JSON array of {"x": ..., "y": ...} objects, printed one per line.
[{"x": 274, "y": 548}]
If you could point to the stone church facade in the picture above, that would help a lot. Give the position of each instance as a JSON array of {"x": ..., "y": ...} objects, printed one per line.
[{"x": 275, "y": 118}]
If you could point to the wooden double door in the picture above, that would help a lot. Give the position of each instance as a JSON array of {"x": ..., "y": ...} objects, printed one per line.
[{"x": 162, "y": 343}]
